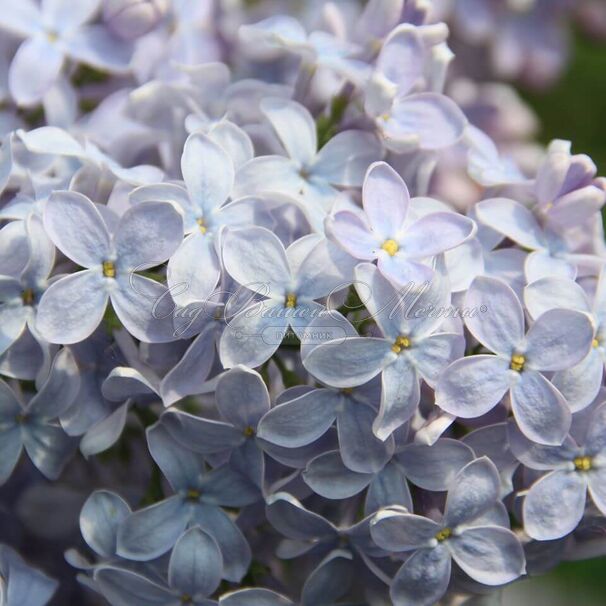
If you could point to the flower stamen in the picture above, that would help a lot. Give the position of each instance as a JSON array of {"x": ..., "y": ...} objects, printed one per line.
[
  {"x": 27, "y": 296},
  {"x": 583, "y": 463},
  {"x": 201, "y": 225},
  {"x": 291, "y": 300},
  {"x": 443, "y": 534},
  {"x": 400, "y": 343},
  {"x": 517, "y": 362},
  {"x": 109, "y": 269},
  {"x": 391, "y": 247}
]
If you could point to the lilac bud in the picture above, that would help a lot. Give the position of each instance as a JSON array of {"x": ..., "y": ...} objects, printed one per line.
[{"x": 130, "y": 19}]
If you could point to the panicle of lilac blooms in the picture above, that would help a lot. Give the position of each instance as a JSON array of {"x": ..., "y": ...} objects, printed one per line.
[{"x": 290, "y": 312}]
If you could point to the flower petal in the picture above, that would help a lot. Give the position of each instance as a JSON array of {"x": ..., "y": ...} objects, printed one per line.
[{"x": 554, "y": 505}]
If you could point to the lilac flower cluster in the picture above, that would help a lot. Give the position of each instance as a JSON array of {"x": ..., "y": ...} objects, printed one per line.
[{"x": 282, "y": 322}]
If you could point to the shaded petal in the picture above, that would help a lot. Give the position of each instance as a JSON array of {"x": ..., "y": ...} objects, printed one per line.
[
  {"x": 327, "y": 476},
  {"x": 105, "y": 433},
  {"x": 344, "y": 159},
  {"x": 194, "y": 270},
  {"x": 498, "y": 318},
  {"x": 540, "y": 409},
  {"x": 554, "y": 293},
  {"x": 542, "y": 264},
  {"x": 232, "y": 543},
  {"x": 295, "y": 127},
  {"x": 395, "y": 530},
  {"x": 400, "y": 393},
  {"x": 150, "y": 532},
  {"x": 386, "y": 200},
  {"x": 330, "y": 580},
  {"x": 77, "y": 229},
  {"x": 11, "y": 445},
  {"x": 388, "y": 487},
  {"x": 190, "y": 373},
  {"x": 242, "y": 397},
  {"x": 348, "y": 363},
  {"x": 100, "y": 519},
  {"x": 597, "y": 488},
  {"x": 208, "y": 172},
  {"x": 361, "y": 450},
  {"x": 128, "y": 588},
  {"x": 513, "y": 220},
  {"x": 475, "y": 489},
  {"x": 253, "y": 597},
  {"x": 300, "y": 421},
  {"x": 431, "y": 120},
  {"x": 256, "y": 258},
  {"x": 436, "y": 233},
  {"x": 49, "y": 447},
  {"x": 23, "y": 19},
  {"x": 434, "y": 467},
  {"x": 554, "y": 505},
  {"x": 180, "y": 466},
  {"x": 72, "y": 307},
  {"x": 581, "y": 384},
  {"x": 489, "y": 555},
  {"x": 147, "y": 235},
  {"x": 435, "y": 353},
  {"x": 59, "y": 390},
  {"x": 196, "y": 564},
  {"x": 34, "y": 69},
  {"x": 95, "y": 46},
  {"x": 423, "y": 578},
  {"x": 205, "y": 436},
  {"x": 559, "y": 339},
  {"x": 472, "y": 386},
  {"x": 352, "y": 233},
  {"x": 253, "y": 335},
  {"x": 144, "y": 307},
  {"x": 64, "y": 15},
  {"x": 290, "y": 518}
]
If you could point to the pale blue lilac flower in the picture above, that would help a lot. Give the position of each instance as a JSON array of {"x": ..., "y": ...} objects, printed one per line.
[
  {"x": 55, "y": 31},
  {"x": 338, "y": 548},
  {"x": 152, "y": 531},
  {"x": 73, "y": 306},
  {"x": 581, "y": 383},
  {"x": 306, "y": 173},
  {"x": 385, "y": 232},
  {"x": 407, "y": 119},
  {"x": 194, "y": 573},
  {"x": 194, "y": 268},
  {"x": 22, "y": 584},
  {"x": 241, "y": 399},
  {"x": 472, "y": 386},
  {"x": 33, "y": 425},
  {"x": 291, "y": 280},
  {"x": 555, "y": 503},
  {"x": 19, "y": 297},
  {"x": 469, "y": 533},
  {"x": 410, "y": 346}
]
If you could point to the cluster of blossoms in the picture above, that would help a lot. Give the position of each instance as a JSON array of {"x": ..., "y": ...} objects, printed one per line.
[{"x": 281, "y": 321}]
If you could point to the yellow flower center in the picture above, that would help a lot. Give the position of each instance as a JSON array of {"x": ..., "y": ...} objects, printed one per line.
[
  {"x": 249, "y": 431},
  {"x": 583, "y": 463},
  {"x": 52, "y": 36},
  {"x": 193, "y": 494},
  {"x": 400, "y": 343},
  {"x": 186, "y": 599},
  {"x": 201, "y": 225},
  {"x": 443, "y": 534},
  {"x": 291, "y": 300},
  {"x": 109, "y": 269},
  {"x": 517, "y": 362},
  {"x": 27, "y": 296},
  {"x": 390, "y": 247},
  {"x": 595, "y": 343}
]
